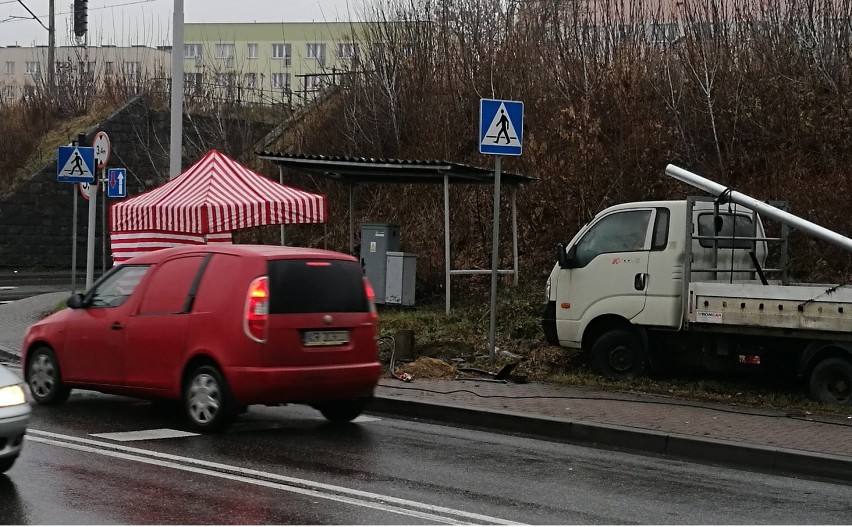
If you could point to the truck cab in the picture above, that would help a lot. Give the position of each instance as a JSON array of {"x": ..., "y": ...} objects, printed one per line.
[{"x": 626, "y": 272}]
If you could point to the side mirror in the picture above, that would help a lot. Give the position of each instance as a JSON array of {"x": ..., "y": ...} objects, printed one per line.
[
  {"x": 566, "y": 259},
  {"x": 560, "y": 255},
  {"x": 75, "y": 301}
]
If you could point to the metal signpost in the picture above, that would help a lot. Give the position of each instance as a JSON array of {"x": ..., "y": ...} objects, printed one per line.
[
  {"x": 501, "y": 128},
  {"x": 75, "y": 164}
]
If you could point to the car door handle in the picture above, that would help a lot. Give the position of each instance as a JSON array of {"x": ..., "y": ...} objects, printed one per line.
[
  {"x": 116, "y": 326},
  {"x": 639, "y": 281}
]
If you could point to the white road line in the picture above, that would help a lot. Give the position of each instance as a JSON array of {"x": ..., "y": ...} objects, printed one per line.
[
  {"x": 145, "y": 435},
  {"x": 267, "y": 479}
]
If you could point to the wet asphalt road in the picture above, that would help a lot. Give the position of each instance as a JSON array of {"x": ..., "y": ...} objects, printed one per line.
[{"x": 288, "y": 465}]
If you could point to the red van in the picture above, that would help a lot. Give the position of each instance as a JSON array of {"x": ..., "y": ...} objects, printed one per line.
[{"x": 218, "y": 328}]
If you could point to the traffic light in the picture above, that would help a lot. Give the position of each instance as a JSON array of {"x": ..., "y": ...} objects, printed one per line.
[{"x": 81, "y": 17}]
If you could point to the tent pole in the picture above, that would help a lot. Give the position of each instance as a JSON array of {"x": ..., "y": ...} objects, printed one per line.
[
  {"x": 515, "y": 230},
  {"x": 447, "y": 243},
  {"x": 281, "y": 181}
]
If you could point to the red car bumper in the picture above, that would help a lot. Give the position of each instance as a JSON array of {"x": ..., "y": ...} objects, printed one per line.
[{"x": 303, "y": 384}]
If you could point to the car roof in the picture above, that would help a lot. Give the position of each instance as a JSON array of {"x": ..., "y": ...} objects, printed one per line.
[{"x": 269, "y": 252}]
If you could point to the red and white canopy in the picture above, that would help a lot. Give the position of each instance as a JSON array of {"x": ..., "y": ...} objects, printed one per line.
[
  {"x": 204, "y": 204},
  {"x": 216, "y": 195}
]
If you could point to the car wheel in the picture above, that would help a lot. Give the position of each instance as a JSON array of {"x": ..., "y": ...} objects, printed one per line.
[
  {"x": 207, "y": 401},
  {"x": 342, "y": 411},
  {"x": 44, "y": 379},
  {"x": 6, "y": 463},
  {"x": 618, "y": 354},
  {"x": 831, "y": 381}
]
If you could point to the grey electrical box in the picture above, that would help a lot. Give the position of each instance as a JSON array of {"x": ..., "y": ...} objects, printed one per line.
[
  {"x": 399, "y": 285},
  {"x": 377, "y": 239}
]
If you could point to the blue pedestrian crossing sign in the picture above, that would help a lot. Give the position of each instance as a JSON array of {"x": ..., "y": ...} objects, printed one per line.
[
  {"x": 501, "y": 127},
  {"x": 75, "y": 164},
  {"x": 117, "y": 182}
]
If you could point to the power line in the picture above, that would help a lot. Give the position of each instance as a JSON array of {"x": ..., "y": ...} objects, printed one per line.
[{"x": 109, "y": 6}]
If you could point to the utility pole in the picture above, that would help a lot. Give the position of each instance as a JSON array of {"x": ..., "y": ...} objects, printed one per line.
[
  {"x": 176, "y": 142},
  {"x": 51, "y": 51}
]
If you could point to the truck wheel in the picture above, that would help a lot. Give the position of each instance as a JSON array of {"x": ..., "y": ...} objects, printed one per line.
[
  {"x": 831, "y": 381},
  {"x": 207, "y": 401},
  {"x": 618, "y": 354}
]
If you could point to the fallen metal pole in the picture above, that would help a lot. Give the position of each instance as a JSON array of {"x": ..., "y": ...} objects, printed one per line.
[{"x": 767, "y": 210}]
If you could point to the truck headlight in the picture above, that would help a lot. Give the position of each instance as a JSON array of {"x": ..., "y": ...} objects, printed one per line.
[
  {"x": 12, "y": 396},
  {"x": 547, "y": 289}
]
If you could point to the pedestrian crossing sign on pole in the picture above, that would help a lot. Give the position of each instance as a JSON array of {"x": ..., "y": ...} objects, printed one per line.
[
  {"x": 75, "y": 164},
  {"x": 501, "y": 127}
]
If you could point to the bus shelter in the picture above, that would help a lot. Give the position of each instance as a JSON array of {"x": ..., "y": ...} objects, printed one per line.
[{"x": 353, "y": 171}]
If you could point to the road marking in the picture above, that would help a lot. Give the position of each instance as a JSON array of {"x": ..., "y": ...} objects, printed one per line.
[
  {"x": 365, "y": 419},
  {"x": 425, "y": 511},
  {"x": 7, "y": 287},
  {"x": 145, "y": 435}
]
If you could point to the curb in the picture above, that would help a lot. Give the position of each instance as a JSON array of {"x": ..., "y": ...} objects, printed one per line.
[{"x": 737, "y": 455}]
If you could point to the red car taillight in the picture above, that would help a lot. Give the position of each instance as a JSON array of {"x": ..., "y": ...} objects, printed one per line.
[
  {"x": 371, "y": 299},
  {"x": 257, "y": 310}
]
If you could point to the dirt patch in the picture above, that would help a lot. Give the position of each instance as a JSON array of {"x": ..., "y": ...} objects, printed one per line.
[{"x": 428, "y": 368}]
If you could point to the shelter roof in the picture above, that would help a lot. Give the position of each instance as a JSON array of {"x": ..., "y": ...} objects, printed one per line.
[{"x": 390, "y": 171}]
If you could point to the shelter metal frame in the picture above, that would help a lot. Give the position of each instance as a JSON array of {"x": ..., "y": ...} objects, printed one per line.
[{"x": 358, "y": 170}]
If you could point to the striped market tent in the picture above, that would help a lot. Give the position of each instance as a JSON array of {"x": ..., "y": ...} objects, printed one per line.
[{"x": 205, "y": 204}]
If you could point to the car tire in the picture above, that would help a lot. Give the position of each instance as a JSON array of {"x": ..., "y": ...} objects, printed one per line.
[
  {"x": 6, "y": 463},
  {"x": 342, "y": 411},
  {"x": 831, "y": 381},
  {"x": 44, "y": 378},
  {"x": 207, "y": 401},
  {"x": 618, "y": 354}
]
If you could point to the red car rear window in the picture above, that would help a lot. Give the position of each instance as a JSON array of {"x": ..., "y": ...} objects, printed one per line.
[{"x": 316, "y": 286}]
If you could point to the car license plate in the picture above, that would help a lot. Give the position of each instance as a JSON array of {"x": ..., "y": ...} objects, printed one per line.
[{"x": 325, "y": 338}]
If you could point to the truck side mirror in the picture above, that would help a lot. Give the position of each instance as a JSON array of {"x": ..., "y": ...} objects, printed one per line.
[{"x": 567, "y": 260}]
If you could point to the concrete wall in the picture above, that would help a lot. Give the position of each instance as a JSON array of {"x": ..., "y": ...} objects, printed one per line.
[{"x": 36, "y": 219}]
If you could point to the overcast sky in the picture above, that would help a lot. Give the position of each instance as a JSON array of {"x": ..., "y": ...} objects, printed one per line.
[{"x": 149, "y": 22}]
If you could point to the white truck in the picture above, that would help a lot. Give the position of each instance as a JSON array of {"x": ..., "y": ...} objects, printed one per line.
[{"x": 649, "y": 284}]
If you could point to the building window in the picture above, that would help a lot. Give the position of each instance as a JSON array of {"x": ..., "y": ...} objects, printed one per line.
[
  {"x": 251, "y": 51},
  {"x": 346, "y": 50},
  {"x": 8, "y": 92},
  {"x": 250, "y": 80},
  {"x": 33, "y": 68},
  {"x": 192, "y": 51},
  {"x": 281, "y": 51},
  {"x": 193, "y": 81},
  {"x": 132, "y": 68},
  {"x": 281, "y": 81},
  {"x": 316, "y": 51},
  {"x": 313, "y": 82},
  {"x": 108, "y": 68},
  {"x": 9, "y": 68},
  {"x": 225, "y": 51}
]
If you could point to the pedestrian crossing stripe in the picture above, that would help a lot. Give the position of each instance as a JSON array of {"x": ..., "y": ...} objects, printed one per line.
[{"x": 501, "y": 129}]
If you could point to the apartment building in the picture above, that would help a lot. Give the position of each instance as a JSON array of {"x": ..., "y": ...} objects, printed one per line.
[
  {"x": 269, "y": 62},
  {"x": 24, "y": 69}
]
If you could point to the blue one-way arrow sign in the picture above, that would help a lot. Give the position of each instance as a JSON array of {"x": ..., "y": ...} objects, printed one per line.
[
  {"x": 75, "y": 164},
  {"x": 501, "y": 127},
  {"x": 117, "y": 182}
]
